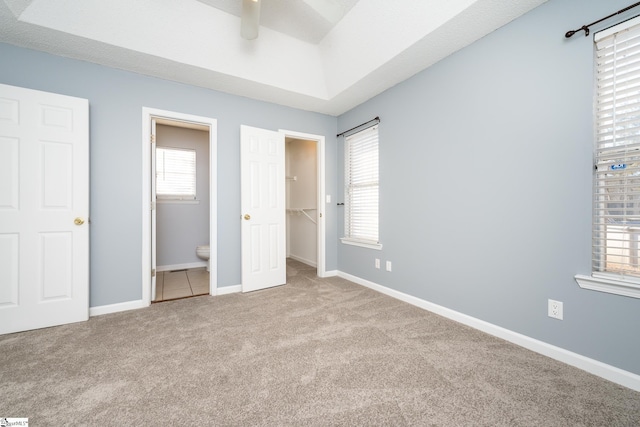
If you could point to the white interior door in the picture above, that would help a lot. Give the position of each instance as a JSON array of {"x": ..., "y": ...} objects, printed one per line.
[
  {"x": 263, "y": 208},
  {"x": 44, "y": 209},
  {"x": 153, "y": 210}
]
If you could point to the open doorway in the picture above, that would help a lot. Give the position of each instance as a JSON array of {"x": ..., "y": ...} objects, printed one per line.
[
  {"x": 301, "y": 179},
  {"x": 182, "y": 210},
  {"x": 305, "y": 198},
  {"x": 172, "y": 252}
]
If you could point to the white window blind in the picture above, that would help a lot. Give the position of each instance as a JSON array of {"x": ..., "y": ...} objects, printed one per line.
[
  {"x": 616, "y": 231},
  {"x": 361, "y": 186},
  {"x": 175, "y": 173}
]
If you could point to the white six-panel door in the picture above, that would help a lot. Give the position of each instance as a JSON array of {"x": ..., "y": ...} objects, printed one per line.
[
  {"x": 44, "y": 209},
  {"x": 262, "y": 165}
]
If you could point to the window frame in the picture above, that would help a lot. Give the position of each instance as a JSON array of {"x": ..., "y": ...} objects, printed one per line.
[
  {"x": 350, "y": 237},
  {"x": 176, "y": 197},
  {"x": 616, "y": 281}
]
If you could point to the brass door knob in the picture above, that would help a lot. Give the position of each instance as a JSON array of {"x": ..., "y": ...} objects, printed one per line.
[
  {"x": 78, "y": 221},
  {"x": 247, "y": 217}
]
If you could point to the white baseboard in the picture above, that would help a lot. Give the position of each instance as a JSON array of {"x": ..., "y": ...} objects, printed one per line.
[
  {"x": 115, "y": 308},
  {"x": 303, "y": 260},
  {"x": 331, "y": 273},
  {"x": 229, "y": 290},
  {"x": 185, "y": 266},
  {"x": 608, "y": 372}
]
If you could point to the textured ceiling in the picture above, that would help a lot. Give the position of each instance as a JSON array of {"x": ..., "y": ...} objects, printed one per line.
[{"x": 299, "y": 59}]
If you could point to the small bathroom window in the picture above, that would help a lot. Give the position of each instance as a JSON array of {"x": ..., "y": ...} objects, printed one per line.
[{"x": 175, "y": 173}]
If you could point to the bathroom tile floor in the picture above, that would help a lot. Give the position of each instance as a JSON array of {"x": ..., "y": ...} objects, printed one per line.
[{"x": 181, "y": 284}]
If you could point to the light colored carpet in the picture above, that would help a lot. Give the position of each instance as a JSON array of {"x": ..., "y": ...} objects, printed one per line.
[{"x": 319, "y": 352}]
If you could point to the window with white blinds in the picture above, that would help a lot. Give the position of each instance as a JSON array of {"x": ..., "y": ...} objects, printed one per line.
[
  {"x": 175, "y": 173},
  {"x": 616, "y": 228},
  {"x": 361, "y": 188}
]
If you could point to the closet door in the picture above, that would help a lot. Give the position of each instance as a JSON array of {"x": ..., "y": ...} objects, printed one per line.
[{"x": 263, "y": 230}]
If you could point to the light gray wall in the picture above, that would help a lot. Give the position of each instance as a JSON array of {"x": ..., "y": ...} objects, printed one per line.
[
  {"x": 485, "y": 185},
  {"x": 180, "y": 227},
  {"x": 302, "y": 194},
  {"x": 116, "y": 99}
]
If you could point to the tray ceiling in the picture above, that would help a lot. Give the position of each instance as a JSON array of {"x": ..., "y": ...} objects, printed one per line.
[{"x": 299, "y": 59}]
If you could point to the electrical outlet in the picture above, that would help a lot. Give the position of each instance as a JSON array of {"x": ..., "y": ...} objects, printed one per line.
[
  {"x": 555, "y": 309},
  {"x": 388, "y": 265},
  {"x": 378, "y": 263}
]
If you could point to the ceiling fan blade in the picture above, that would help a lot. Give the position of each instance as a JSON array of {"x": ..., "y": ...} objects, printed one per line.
[
  {"x": 331, "y": 10},
  {"x": 250, "y": 19}
]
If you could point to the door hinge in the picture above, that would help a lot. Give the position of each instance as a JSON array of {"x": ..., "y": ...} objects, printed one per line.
[
  {"x": 153, "y": 205},
  {"x": 153, "y": 272},
  {"x": 152, "y": 139}
]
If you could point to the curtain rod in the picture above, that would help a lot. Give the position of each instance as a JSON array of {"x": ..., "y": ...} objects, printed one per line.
[
  {"x": 365, "y": 123},
  {"x": 585, "y": 28}
]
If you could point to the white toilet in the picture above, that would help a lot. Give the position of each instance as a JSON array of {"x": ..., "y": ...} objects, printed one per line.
[{"x": 203, "y": 253}]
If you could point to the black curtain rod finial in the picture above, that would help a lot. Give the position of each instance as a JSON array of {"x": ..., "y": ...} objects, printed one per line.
[{"x": 572, "y": 32}]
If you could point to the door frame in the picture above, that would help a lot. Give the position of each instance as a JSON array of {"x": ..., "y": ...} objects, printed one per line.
[
  {"x": 320, "y": 229},
  {"x": 212, "y": 124}
]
